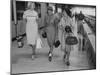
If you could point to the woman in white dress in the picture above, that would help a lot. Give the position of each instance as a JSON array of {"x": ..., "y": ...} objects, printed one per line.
[{"x": 31, "y": 16}]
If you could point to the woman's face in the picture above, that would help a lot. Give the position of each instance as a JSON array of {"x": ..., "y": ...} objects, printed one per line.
[
  {"x": 32, "y": 6},
  {"x": 49, "y": 12},
  {"x": 64, "y": 13}
]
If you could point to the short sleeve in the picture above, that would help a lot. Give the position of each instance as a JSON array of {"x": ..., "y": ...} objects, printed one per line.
[
  {"x": 37, "y": 16},
  {"x": 61, "y": 22},
  {"x": 24, "y": 15},
  {"x": 60, "y": 25}
]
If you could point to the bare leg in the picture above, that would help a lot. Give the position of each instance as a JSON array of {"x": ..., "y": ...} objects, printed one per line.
[
  {"x": 62, "y": 41},
  {"x": 81, "y": 42},
  {"x": 50, "y": 53},
  {"x": 67, "y": 53},
  {"x": 33, "y": 51}
]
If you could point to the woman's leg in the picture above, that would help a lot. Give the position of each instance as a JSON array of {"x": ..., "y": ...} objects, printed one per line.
[
  {"x": 33, "y": 51},
  {"x": 50, "y": 43},
  {"x": 67, "y": 53},
  {"x": 50, "y": 53},
  {"x": 80, "y": 42},
  {"x": 62, "y": 41}
]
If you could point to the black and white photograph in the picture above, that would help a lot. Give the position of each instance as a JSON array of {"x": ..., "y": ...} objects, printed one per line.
[{"x": 52, "y": 37}]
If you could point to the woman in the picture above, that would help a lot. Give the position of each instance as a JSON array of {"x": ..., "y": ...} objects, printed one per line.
[
  {"x": 50, "y": 30},
  {"x": 65, "y": 21},
  {"x": 31, "y": 16},
  {"x": 80, "y": 21}
]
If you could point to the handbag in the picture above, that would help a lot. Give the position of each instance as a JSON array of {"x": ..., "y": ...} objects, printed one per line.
[
  {"x": 39, "y": 43},
  {"x": 44, "y": 34},
  {"x": 57, "y": 43},
  {"x": 71, "y": 40}
]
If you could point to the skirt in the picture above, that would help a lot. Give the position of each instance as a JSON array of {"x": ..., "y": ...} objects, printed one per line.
[
  {"x": 31, "y": 33},
  {"x": 51, "y": 35}
]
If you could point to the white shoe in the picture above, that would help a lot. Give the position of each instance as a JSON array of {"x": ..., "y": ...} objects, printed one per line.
[{"x": 50, "y": 57}]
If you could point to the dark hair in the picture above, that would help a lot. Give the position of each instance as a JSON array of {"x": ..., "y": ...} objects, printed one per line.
[
  {"x": 50, "y": 8},
  {"x": 68, "y": 29},
  {"x": 69, "y": 13}
]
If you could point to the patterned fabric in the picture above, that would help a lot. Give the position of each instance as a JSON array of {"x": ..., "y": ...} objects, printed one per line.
[{"x": 65, "y": 21}]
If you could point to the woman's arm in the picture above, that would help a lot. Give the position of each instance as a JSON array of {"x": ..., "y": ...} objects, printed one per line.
[
  {"x": 60, "y": 25},
  {"x": 45, "y": 21},
  {"x": 24, "y": 18},
  {"x": 37, "y": 18},
  {"x": 72, "y": 24}
]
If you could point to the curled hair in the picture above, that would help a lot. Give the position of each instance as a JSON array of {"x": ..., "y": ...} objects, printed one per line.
[
  {"x": 29, "y": 4},
  {"x": 50, "y": 8}
]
